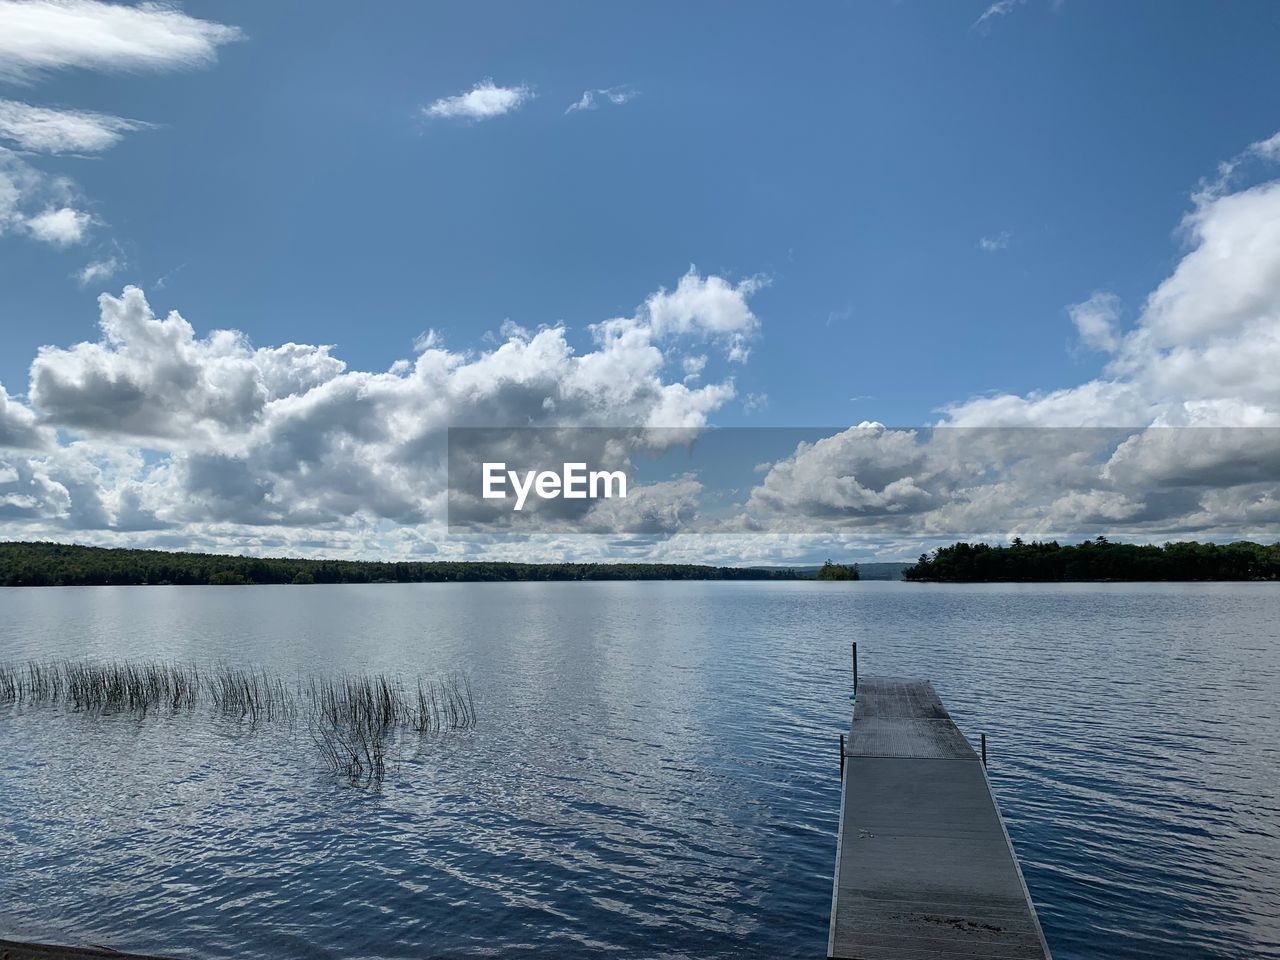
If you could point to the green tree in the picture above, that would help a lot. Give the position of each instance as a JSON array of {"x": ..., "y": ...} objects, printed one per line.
[{"x": 837, "y": 571}]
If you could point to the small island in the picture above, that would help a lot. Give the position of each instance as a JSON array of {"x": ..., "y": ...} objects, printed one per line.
[
  {"x": 1096, "y": 560},
  {"x": 838, "y": 571}
]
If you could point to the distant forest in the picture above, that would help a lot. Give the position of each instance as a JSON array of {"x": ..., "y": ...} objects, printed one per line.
[
  {"x": 1098, "y": 559},
  {"x": 56, "y": 564}
]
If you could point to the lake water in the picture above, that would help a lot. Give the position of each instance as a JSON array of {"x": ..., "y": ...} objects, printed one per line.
[{"x": 654, "y": 772}]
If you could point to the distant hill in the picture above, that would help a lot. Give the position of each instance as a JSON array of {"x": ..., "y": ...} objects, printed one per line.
[{"x": 59, "y": 564}]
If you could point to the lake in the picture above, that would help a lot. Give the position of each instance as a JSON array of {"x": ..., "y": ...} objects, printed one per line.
[{"x": 655, "y": 769}]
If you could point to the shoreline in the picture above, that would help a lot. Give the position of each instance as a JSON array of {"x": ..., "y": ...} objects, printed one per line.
[{"x": 24, "y": 950}]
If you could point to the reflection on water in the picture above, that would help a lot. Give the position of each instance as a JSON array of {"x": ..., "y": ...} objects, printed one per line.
[{"x": 654, "y": 772}]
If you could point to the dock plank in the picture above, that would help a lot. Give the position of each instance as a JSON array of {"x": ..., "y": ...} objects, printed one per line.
[{"x": 924, "y": 866}]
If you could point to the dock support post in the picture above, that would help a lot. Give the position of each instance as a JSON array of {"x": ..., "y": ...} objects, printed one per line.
[
  {"x": 984, "y": 749},
  {"x": 842, "y": 756},
  {"x": 855, "y": 668}
]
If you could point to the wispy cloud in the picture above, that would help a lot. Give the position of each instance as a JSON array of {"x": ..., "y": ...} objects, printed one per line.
[
  {"x": 482, "y": 102},
  {"x": 999, "y": 242},
  {"x": 1001, "y": 8},
  {"x": 39, "y": 36},
  {"x": 1266, "y": 151},
  {"x": 591, "y": 99},
  {"x": 47, "y": 130},
  {"x": 1097, "y": 321},
  {"x": 98, "y": 270}
]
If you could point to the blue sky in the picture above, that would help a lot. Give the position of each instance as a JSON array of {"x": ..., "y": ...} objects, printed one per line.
[
  {"x": 915, "y": 194},
  {"x": 856, "y": 155}
]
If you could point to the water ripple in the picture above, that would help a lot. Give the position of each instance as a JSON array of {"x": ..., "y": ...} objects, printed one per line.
[{"x": 654, "y": 773}]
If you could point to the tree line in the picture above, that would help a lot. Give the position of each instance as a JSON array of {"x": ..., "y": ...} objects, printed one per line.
[
  {"x": 838, "y": 571},
  {"x": 56, "y": 564},
  {"x": 1098, "y": 559}
]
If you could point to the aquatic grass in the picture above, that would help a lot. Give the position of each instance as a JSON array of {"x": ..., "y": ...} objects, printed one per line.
[
  {"x": 249, "y": 694},
  {"x": 9, "y": 683},
  {"x": 353, "y": 718},
  {"x": 444, "y": 705},
  {"x": 115, "y": 686}
]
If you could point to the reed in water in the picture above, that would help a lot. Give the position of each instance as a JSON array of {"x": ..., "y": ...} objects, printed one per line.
[{"x": 352, "y": 717}]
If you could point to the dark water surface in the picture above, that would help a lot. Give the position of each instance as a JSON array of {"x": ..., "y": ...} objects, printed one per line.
[{"x": 654, "y": 773}]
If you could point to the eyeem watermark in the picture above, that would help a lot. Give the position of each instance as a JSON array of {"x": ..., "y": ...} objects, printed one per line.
[
  {"x": 574, "y": 482},
  {"x": 544, "y": 479}
]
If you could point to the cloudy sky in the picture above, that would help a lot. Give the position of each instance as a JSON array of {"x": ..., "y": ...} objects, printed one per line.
[{"x": 253, "y": 264}]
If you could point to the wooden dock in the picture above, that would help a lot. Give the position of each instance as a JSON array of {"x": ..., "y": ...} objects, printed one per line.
[{"x": 924, "y": 866}]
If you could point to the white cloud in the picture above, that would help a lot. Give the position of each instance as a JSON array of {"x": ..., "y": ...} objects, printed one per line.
[
  {"x": 1230, "y": 277},
  {"x": 150, "y": 377},
  {"x": 39, "y": 205},
  {"x": 999, "y": 242},
  {"x": 1268, "y": 149},
  {"x": 1263, "y": 151},
  {"x": 98, "y": 270},
  {"x": 59, "y": 131},
  {"x": 281, "y": 440},
  {"x": 1001, "y": 8},
  {"x": 284, "y": 449},
  {"x": 591, "y": 99},
  {"x": 481, "y": 102},
  {"x": 863, "y": 470},
  {"x": 1204, "y": 347},
  {"x": 60, "y": 226},
  {"x": 18, "y": 427},
  {"x": 992, "y": 483},
  {"x": 711, "y": 308},
  {"x": 38, "y": 36},
  {"x": 1096, "y": 321},
  {"x": 1201, "y": 356}
]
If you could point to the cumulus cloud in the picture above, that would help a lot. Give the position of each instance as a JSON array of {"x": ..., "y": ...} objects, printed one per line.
[
  {"x": 865, "y": 470},
  {"x": 60, "y": 226},
  {"x": 710, "y": 308},
  {"x": 1204, "y": 346},
  {"x": 39, "y": 36},
  {"x": 952, "y": 483},
  {"x": 482, "y": 102},
  {"x": 1179, "y": 435},
  {"x": 47, "y": 130},
  {"x": 18, "y": 427},
  {"x": 591, "y": 99},
  {"x": 288, "y": 441},
  {"x": 204, "y": 440},
  {"x": 151, "y": 377}
]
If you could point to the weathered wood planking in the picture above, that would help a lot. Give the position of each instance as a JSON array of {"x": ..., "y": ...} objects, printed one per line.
[{"x": 924, "y": 866}]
